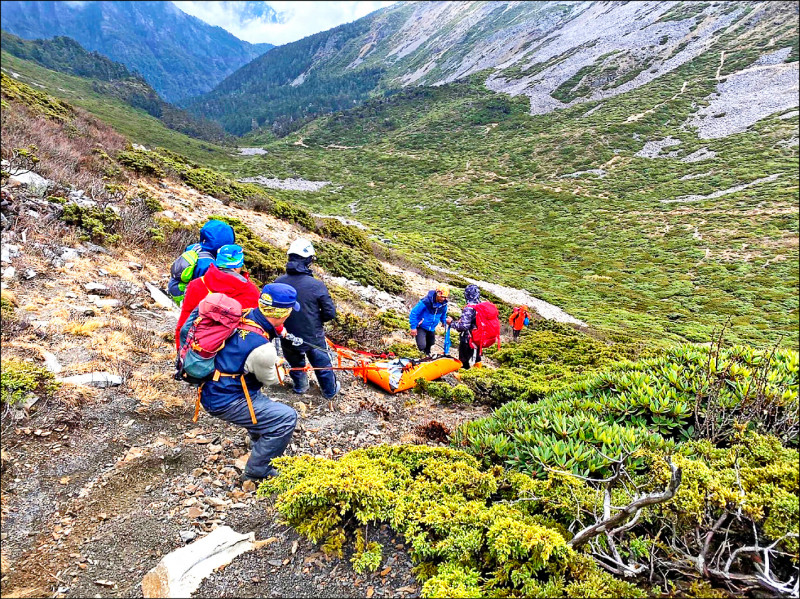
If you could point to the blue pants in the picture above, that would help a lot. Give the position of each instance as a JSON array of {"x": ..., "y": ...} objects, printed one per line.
[
  {"x": 270, "y": 436},
  {"x": 296, "y": 356}
]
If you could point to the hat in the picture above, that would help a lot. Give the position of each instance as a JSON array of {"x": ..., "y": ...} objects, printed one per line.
[
  {"x": 278, "y": 300},
  {"x": 444, "y": 290},
  {"x": 229, "y": 256},
  {"x": 301, "y": 247},
  {"x": 472, "y": 294}
]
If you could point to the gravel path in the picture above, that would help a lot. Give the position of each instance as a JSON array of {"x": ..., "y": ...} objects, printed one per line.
[{"x": 722, "y": 192}]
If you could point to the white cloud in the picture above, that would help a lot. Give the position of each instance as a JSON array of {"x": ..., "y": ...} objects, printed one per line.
[{"x": 295, "y": 19}]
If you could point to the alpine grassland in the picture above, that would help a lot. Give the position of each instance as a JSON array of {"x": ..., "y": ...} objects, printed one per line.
[
  {"x": 559, "y": 204},
  {"x": 473, "y": 183}
]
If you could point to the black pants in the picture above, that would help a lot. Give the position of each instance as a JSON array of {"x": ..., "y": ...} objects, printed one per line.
[
  {"x": 516, "y": 334},
  {"x": 466, "y": 353},
  {"x": 425, "y": 340}
]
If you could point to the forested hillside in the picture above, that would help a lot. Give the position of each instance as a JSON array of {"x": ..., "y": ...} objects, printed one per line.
[
  {"x": 179, "y": 55},
  {"x": 108, "y": 78}
]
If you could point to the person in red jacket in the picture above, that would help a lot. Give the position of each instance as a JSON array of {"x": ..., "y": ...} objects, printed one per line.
[{"x": 223, "y": 276}]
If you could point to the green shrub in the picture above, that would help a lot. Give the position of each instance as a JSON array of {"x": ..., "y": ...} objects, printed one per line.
[
  {"x": 392, "y": 320},
  {"x": 404, "y": 350},
  {"x": 6, "y": 309},
  {"x": 293, "y": 214},
  {"x": 98, "y": 224},
  {"x": 346, "y": 234},
  {"x": 35, "y": 101},
  {"x": 142, "y": 163},
  {"x": 341, "y": 261},
  {"x": 463, "y": 543},
  {"x": 443, "y": 392},
  {"x": 646, "y": 404},
  {"x": 18, "y": 378}
]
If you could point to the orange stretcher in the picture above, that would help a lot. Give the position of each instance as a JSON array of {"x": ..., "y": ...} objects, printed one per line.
[
  {"x": 394, "y": 374},
  {"x": 401, "y": 374}
]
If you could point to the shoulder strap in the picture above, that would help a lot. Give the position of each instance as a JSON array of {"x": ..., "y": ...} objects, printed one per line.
[{"x": 251, "y": 325}]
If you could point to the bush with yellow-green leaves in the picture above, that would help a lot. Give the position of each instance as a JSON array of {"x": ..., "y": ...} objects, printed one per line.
[
  {"x": 707, "y": 501},
  {"x": 463, "y": 542}
]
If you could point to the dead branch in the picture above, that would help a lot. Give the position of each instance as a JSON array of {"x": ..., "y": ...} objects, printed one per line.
[{"x": 630, "y": 509}]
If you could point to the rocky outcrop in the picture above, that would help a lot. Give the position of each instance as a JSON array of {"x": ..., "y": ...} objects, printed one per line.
[{"x": 179, "y": 573}]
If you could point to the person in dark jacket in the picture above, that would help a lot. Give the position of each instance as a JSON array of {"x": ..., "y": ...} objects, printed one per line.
[
  {"x": 430, "y": 312},
  {"x": 197, "y": 257},
  {"x": 244, "y": 365},
  {"x": 316, "y": 308},
  {"x": 224, "y": 276},
  {"x": 464, "y": 326}
]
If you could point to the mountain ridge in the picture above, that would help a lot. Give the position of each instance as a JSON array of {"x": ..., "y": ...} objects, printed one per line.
[
  {"x": 555, "y": 53},
  {"x": 179, "y": 54},
  {"x": 106, "y": 77}
]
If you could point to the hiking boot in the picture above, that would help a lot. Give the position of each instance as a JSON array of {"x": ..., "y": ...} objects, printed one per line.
[
  {"x": 271, "y": 473},
  {"x": 335, "y": 391}
]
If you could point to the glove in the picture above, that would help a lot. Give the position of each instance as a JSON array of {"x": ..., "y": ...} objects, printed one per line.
[{"x": 296, "y": 341}]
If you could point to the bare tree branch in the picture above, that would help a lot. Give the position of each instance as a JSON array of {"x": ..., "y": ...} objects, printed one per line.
[{"x": 630, "y": 509}]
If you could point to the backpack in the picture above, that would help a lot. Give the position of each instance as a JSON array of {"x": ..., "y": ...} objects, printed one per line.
[
  {"x": 487, "y": 326},
  {"x": 182, "y": 270},
  {"x": 218, "y": 317},
  {"x": 514, "y": 319}
]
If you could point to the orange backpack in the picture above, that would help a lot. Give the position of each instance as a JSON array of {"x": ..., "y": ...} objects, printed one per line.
[{"x": 517, "y": 318}]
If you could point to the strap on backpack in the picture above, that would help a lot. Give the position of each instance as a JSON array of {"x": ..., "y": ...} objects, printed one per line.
[
  {"x": 249, "y": 325},
  {"x": 197, "y": 404},
  {"x": 217, "y": 375}
]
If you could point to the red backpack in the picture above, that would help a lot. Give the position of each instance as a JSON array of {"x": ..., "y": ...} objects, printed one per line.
[
  {"x": 219, "y": 316},
  {"x": 487, "y": 326}
]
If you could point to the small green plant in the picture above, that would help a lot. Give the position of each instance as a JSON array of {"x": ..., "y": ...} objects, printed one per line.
[
  {"x": 98, "y": 224},
  {"x": 18, "y": 378},
  {"x": 443, "y": 392},
  {"x": 367, "y": 555}
]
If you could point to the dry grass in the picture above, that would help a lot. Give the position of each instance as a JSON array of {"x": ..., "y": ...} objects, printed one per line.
[
  {"x": 82, "y": 328},
  {"x": 159, "y": 391},
  {"x": 75, "y": 395},
  {"x": 65, "y": 150}
]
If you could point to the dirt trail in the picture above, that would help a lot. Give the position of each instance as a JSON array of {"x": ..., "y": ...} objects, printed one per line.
[
  {"x": 101, "y": 483},
  {"x": 636, "y": 117}
]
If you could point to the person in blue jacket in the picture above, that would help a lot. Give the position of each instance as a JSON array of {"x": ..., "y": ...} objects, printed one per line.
[
  {"x": 197, "y": 257},
  {"x": 244, "y": 365},
  {"x": 430, "y": 312}
]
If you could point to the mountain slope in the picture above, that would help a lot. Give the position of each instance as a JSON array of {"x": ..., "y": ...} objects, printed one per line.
[
  {"x": 556, "y": 53},
  {"x": 65, "y": 55},
  {"x": 664, "y": 210},
  {"x": 135, "y": 123},
  {"x": 179, "y": 55}
]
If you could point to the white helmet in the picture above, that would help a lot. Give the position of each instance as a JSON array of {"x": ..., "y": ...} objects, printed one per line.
[{"x": 301, "y": 247}]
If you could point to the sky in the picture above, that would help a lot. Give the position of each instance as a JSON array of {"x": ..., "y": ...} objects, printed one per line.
[{"x": 288, "y": 21}]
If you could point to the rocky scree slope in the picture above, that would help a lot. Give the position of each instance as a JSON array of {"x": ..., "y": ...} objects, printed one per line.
[{"x": 556, "y": 53}]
